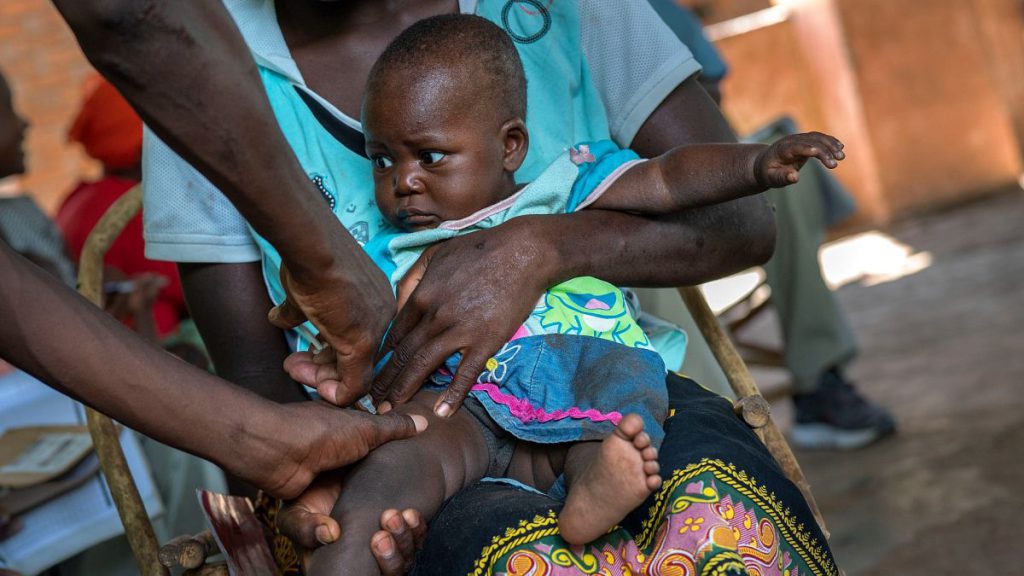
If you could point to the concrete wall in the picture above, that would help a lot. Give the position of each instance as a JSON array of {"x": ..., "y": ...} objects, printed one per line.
[
  {"x": 42, "y": 62},
  {"x": 940, "y": 128},
  {"x": 928, "y": 94},
  {"x": 814, "y": 87},
  {"x": 1001, "y": 23}
]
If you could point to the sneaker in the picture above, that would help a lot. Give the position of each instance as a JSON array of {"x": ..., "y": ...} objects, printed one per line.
[{"x": 836, "y": 417}]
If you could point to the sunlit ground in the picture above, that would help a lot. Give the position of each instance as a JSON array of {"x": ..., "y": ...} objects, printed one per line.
[
  {"x": 869, "y": 258},
  {"x": 937, "y": 305}
]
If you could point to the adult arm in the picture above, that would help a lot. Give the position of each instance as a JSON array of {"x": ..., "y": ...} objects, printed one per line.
[
  {"x": 698, "y": 175},
  {"x": 511, "y": 265},
  {"x": 244, "y": 348},
  {"x": 190, "y": 76},
  {"x": 66, "y": 342}
]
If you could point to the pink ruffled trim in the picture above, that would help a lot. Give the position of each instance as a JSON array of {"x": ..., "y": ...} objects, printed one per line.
[{"x": 522, "y": 410}]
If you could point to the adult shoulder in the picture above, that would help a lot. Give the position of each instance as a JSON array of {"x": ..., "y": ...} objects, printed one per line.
[{"x": 635, "y": 61}]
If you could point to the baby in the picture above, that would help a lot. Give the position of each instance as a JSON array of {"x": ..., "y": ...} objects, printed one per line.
[{"x": 574, "y": 403}]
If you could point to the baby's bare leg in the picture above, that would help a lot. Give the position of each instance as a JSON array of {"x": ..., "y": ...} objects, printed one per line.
[
  {"x": 606, "y": 480},
  {"x": 420, "y": 472}
]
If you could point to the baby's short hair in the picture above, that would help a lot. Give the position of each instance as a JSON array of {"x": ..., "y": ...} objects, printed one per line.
[{"x": 483, "y": 51}]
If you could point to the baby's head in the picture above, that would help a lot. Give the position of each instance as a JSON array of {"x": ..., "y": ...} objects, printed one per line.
[{"x": 444, "y": 117}]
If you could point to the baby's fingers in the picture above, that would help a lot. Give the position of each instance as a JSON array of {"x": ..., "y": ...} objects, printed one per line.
[
  {"x": 828, "y": 144},
  {"x": 804, "y": 150},
  {"x": 835, "y": 146}
]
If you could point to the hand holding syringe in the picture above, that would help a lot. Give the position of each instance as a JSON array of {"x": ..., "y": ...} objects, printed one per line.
[{"x": 316, "y": 346}]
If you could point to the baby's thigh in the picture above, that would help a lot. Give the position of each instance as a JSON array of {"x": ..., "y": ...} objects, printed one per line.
[
  {"x": 538, "y": 465},
  {"x": 419, "y": 472},
  {"x": 416, "y": 472}
]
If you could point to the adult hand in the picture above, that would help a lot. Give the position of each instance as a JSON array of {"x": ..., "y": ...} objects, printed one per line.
[
  {"x": 396, "y": 543},
  {"x": 320, "y": 370},
  {"x": 318, "y": 437},
  {"x": 351, "y": 312},
  {"x": 307, "y": 522},
  {"x": 473, "y": 292}
]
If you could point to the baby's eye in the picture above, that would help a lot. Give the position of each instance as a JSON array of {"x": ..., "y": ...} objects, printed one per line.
[
  {"x": 382, "y": 162},
  {"x": 431, "y": 157}
]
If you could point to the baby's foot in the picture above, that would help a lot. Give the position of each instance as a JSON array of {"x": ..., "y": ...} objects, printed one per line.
[{"x": 618, "y": 480}]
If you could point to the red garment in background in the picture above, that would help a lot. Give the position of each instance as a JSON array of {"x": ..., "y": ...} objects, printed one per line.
[
  {"x": 78, "y": 215},
  {"x": 107, "y": 127}
]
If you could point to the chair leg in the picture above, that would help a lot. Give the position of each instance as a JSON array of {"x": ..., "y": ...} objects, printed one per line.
[
  {"x": 746, "y": 390},
  {"x": 137, "y": 526}
]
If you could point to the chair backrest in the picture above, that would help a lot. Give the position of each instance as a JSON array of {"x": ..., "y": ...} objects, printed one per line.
[
  {"x": 750, "y": 405},
  {"x": 137, "y": 526}
]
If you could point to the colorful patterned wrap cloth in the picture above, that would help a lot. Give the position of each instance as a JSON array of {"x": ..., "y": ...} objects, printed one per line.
[{"x": 725, "y": 508}]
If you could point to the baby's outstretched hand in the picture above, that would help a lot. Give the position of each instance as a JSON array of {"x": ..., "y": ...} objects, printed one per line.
[{"x": 779, "y": 164}]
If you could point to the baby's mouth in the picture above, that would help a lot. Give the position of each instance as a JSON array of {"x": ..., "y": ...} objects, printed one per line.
[{"x": 416, "y": 218}]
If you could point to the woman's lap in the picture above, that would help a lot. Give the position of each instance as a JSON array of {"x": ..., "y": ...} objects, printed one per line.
[{"x": 724, "y": 506}]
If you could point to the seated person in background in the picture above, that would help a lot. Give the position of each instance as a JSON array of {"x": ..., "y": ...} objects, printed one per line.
[
  {"x": 22, "y": 224},
  {"x": 445, "y": 132},
  {"x": 32, "y": 234},
  {"x": 111, "y": 133},
  {"x": 819, "y": 343}
]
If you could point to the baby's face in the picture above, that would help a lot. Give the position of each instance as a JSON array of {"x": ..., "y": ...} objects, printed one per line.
[{"x": 436, "y": 154}]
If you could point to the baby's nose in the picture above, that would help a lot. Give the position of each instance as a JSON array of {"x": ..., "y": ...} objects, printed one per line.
[{"x": 408, "y": 182}]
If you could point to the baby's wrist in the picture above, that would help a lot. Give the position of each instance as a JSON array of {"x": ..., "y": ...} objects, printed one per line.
[{"x": 756, "y": 171}]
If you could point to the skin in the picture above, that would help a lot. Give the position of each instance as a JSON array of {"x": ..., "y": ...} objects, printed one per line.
[
  {"x": 687, "y": 116},
  {"x": 438, "y": 156},
  {"x": 700, "y": 175},
  {"x": 220, "y": 121},
  {"x": 625, "y": 249},
  {"x": 669, "y": 126},
  {"x": 449, "y": 456},
  {"x": 98, "y": 361},
  {"x": 441, "y": 155}
]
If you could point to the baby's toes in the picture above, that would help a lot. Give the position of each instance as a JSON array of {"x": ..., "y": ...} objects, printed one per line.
[
  {"x": 642, "y": 441},
  {"x": 651, "y": 468},
  {"x": 631, "y": 426}
]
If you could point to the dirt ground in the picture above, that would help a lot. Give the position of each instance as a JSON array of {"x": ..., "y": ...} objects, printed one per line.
[{"x": 943, "y": 348}]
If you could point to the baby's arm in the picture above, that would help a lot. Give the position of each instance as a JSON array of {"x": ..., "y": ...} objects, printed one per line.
[{"x": 704, "y": 174}]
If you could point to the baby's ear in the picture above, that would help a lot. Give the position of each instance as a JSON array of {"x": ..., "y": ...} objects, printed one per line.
[{"x": 516, "y": 140}]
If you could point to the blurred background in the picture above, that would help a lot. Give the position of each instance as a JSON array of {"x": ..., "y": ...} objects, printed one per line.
[{"x": 928, "y": 96}]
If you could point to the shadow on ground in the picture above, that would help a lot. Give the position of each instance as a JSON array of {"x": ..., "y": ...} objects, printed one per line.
[{"x": 944, "y": 349}]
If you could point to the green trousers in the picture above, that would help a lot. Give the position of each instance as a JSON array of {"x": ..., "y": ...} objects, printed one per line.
[{"x": 816, "y": 333}]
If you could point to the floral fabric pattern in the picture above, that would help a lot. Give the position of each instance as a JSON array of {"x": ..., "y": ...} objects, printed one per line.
[{"x": 711, "y": 519}]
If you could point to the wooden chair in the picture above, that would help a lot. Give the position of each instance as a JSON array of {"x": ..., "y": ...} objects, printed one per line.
[
  {"x": 742, "y": 311},
  {"x": 750, "y": 406},
  {"x": 137, "y": 526}
]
